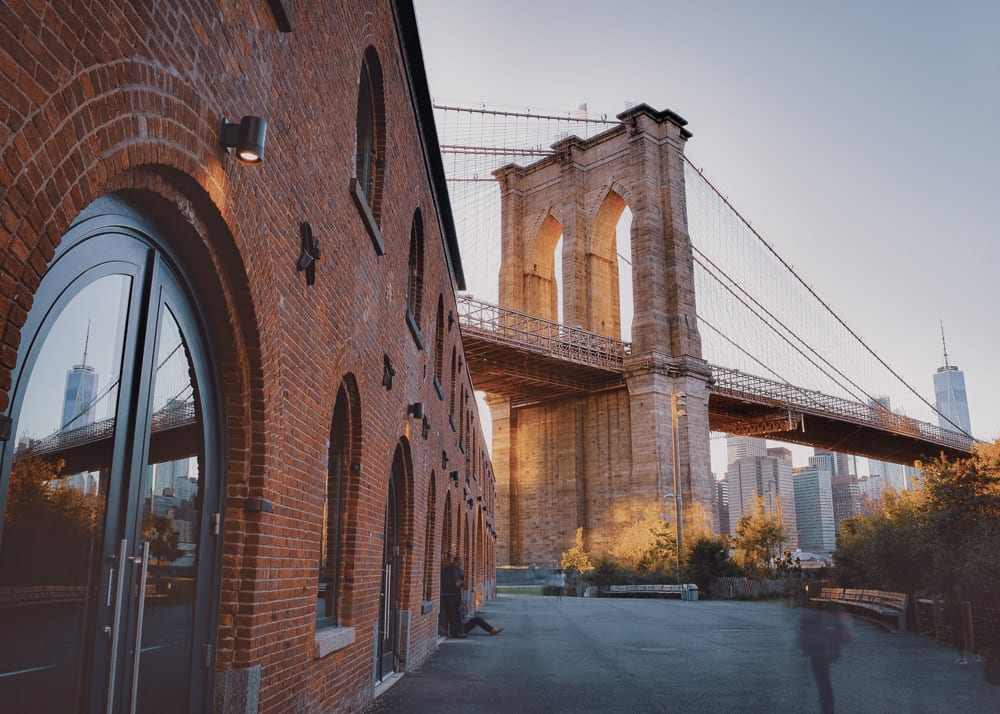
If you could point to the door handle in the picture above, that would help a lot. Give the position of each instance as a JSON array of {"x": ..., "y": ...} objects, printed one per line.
[
  {"x": 143, "y": 563},
  {"x": 114, "y": 628},
  {"x": 388, "y": 598}
]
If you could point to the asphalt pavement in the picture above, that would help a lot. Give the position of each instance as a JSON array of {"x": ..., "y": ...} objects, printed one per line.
[{"x": 656, "y": 655}]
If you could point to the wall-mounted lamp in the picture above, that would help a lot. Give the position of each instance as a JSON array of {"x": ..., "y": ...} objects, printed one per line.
[
  {"x": 454, "y": 475},
  {"x": 247, "y": 138},
  {"x": 469, "y": 501},
  {"x": 416, "y": 410},
  {"x": 444, "y": 459},
  {"x": 479, "y": 498}
]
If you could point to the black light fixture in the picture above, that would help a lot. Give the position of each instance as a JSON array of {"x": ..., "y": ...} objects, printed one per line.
[
  {"x": 310, "y": 253},
  {"x": 388, "y": 372},
  {"x": 416, "y": 410},
  {"x": 454, "y": 475},
  {"x": 247, "y": 138}
]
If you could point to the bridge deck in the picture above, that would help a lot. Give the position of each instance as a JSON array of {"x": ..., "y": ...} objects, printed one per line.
[{"x": 530, "y": 360}]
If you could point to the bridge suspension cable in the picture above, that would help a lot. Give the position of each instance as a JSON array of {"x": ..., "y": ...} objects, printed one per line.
[
  {"x": 824, "y": 305},
  {"x": 759, "y": 314}
]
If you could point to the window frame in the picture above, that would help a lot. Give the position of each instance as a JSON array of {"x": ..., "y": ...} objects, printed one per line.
[
  {"x": 369, "y": 151},
  {"x": 415, "y": 279}
]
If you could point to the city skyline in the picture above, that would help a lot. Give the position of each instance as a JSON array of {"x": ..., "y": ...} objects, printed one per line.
[{"x": 857, "y": 139}]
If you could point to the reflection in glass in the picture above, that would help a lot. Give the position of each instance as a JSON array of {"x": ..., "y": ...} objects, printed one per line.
[
  {"x": 171, "y": 510},
  {"x": 57, "y": 494}
]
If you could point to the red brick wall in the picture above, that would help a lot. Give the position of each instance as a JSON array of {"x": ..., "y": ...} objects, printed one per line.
[{"x": 102, "y": 97}]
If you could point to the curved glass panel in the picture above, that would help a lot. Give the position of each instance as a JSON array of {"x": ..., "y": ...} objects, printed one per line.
[
  {"x": 170, "y": 516},
  {"x": 50, "y": 558}
]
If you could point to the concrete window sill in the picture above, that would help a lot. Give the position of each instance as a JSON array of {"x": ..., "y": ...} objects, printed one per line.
[
  {"x": 331, "y": 639},
  {"x": 367, "y": 217}
]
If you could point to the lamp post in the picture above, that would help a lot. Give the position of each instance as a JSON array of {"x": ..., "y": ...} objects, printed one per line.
[{"x": 676, "y": 401}]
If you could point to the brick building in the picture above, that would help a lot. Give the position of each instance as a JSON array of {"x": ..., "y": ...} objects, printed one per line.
[{"x": 242, "y": 504}]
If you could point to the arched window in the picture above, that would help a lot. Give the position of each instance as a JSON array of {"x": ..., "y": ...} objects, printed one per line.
[
  {"x": 429, "y": 559},
  {"x": 415, "y": 278},
  {"x": 461, "y": 419},
  {"x": 369, "y": 160},
  {"x": 439, "y": 348},
  {"x": 79, "y": 508},
  {"x": 343, "y": 463},
  {"x": 451, "y": 399}
]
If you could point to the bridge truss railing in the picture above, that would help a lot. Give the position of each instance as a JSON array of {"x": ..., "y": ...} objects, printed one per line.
[
  {"x": 740, "y": 384},
  {"x": 537, "y": 334},
  {"x": 170, "y": 416},
  {"x": 520, "y": 330}
]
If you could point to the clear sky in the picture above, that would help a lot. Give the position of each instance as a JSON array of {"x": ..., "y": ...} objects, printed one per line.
[{"x": 862, "y": 139}]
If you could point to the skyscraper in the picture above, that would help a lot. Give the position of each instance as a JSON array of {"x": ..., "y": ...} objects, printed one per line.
[
  {"x": 769, "y": 478},
  {"x": 81, "y": 388},
  {"x": 883, "y": 474},
  {"x": 949, "y": 392},
  {"x": 722, "y": 505},
  {"x": 737, "y": 447},
  {"x": 838, "y": 463},
  {"x": 814, "y": 507},
  {"x": 846, "y": 492}
]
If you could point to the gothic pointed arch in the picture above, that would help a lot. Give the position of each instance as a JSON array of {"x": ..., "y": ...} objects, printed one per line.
[
  {"x": 541, "y": 283},
  {"x": 334, "y": 600},
  {"x": 603, "y": 289},
  {"x": 430, "y": 518},
  {"x": 370, "y": 144}
]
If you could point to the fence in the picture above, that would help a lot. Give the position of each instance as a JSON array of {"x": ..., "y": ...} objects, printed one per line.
[
  {"x": 738, "y": 588},
  {"x": 981, "y": 620}
]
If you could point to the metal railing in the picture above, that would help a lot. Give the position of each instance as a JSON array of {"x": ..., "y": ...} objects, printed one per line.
[
  {"x": 511, "y": 328},
  {"x": 173, "y": 415},
  {"x": 573, "y": 344},
  {"x": 734, "y": 383},
  {"x": 545, "y": 337}
]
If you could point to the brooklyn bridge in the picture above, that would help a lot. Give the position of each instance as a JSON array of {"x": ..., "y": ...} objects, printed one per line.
[{"x": 592, "y": 224}]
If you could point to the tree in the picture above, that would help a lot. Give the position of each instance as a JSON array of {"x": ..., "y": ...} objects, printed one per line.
[
  {"x": 163, "y": 539},
  {"x": 944, "y": 533},
  {"x": 759, "y": 537},
  {"x": 962, "y": 506},
  {"x": 888, "y": 549},
  {"x": 645, "y": 549},
  {"x": 576, "y": 558},
  {"x": 707, "y": 557},
  {"x": 49, "y": 528},
  {"x": 661, "y": 553}
]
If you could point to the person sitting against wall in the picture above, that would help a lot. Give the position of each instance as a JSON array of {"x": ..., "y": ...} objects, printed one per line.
[
  {"x": 469, "y": 624},
  {"x": 452, "y": 580}
]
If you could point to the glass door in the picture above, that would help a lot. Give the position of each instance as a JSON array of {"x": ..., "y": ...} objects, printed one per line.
[
  {"x": 106, "y": 588},
  {"x": 167, "y": 528},
  {"x": 55, "y": 573},
  {"x": 388, "y": 609}
]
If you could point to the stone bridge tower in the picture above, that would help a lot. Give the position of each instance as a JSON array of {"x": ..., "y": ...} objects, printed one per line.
[{"x": 603, "y": 460}]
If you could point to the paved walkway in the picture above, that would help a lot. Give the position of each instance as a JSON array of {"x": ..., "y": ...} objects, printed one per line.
[{"x": 638, "y": 655}]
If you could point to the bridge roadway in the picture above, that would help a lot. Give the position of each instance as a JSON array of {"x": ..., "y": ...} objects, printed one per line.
[
  {"x": 604, "y": 655},
  {"x": 531, "y": 360}
]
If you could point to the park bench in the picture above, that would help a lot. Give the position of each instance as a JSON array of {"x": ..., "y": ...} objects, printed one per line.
[
  {"x": 647, "y": 590},
  {"x": 888, "y": 607}
]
